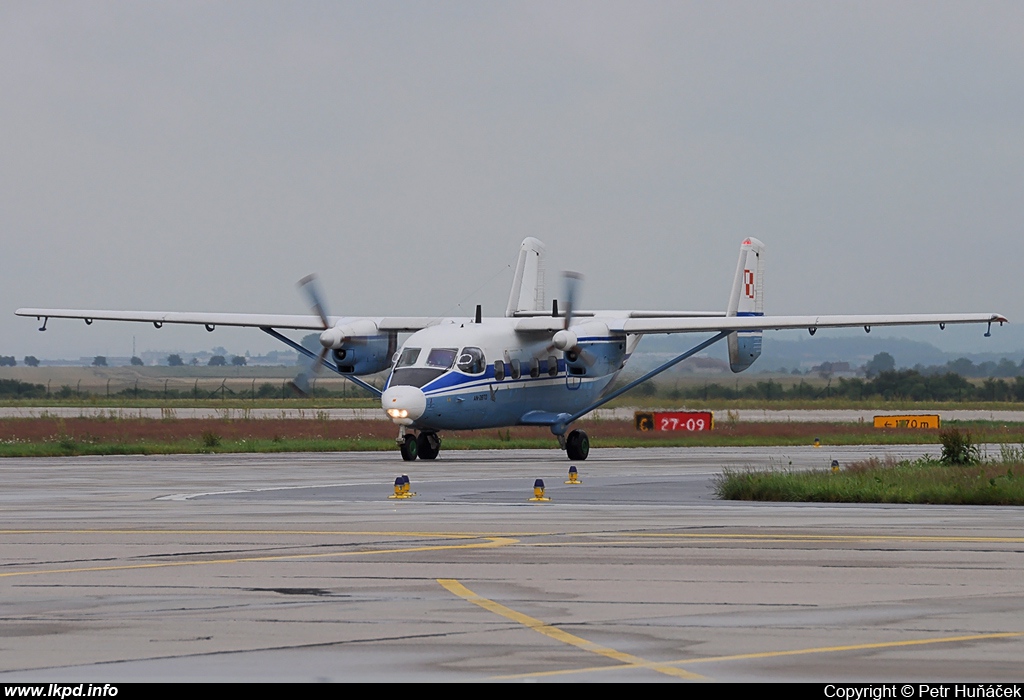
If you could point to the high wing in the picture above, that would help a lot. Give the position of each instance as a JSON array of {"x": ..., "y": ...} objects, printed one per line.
[
  {"x": 212, "y": 320},
  {"x": 623, "y": 322},
  {"x": 811, "y": 323}
]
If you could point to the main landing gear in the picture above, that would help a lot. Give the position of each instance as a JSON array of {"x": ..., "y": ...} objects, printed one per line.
[
  {"x": 426, "y": 445},
  {"x": 577, "y": 446}
]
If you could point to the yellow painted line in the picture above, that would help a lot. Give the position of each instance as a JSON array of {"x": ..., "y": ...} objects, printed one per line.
[
  {"x": 491, "y": 542},
  {"x": 629, "y": 660},
  {"x": 854, "y": 647},
  {"x": 790, "y": 652}
]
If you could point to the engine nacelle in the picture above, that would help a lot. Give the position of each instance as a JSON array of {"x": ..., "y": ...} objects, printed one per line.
[
  {"x": 335, "y": 337},
  {"x": 361, "y": 355},
  {"x": 596, "y": 352}
]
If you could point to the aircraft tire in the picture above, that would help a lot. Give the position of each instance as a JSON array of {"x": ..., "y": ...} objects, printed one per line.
[
  {"x": 577, "y": 446},
  {"x": 428, "y": 445},
  {"x": 409, "y": 448}
]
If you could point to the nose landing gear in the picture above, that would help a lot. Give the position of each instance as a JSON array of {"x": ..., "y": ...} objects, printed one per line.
[
  {"x": 408, "y": 447},
  {"x": 426, "y": 445},
  {"x": 429, "y": 444}
]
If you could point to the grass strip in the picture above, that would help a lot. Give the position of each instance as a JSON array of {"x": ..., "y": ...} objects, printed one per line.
[
  {"x": 20, "y": 437},
  {"x": 877, "y": 481}
]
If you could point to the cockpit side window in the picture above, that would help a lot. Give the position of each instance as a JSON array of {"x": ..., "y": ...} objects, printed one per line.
[
  {"x": 442, "y": 358},
  {"x": 408, "y": 358},
  {"x": 471, "y": 361}
]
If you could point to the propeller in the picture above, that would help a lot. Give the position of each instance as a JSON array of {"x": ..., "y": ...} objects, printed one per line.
[
  {"x": 311, "y": 289},
  {"x": 572, "y": 282},
  {"x": 566, "y": 340}
]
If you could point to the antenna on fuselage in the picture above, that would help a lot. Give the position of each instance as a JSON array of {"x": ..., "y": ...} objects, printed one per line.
[
  {"x": 479, "y": 313},
  {"x": 554, "y": 308}
]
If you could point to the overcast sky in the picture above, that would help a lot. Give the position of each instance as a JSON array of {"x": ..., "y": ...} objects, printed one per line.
[{"x": 204, "y": 156}]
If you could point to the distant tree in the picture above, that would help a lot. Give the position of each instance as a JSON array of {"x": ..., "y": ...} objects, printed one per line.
[
  {"x": 312, "y": 343},
  {"x": 217, "y": 361},
  {"x": 1018, "y": 388},
  {"x": 194, "y": 362},
  {"x": 267, "y": 390},
  {"x": 238, "y": 361},
  {"x": 12, "y": 388},
  {"x": 985, "y": 369},
  {"x": 175, "y": 360},
  {"x": 1006, "y": 368},
  {"x": 137, "y": 362},
  {"x": 99, "y": 361},
  {"x": 7, "y": 361},
  {"x": 882, "y": 362},
  {"x": 962, "y": 366},
  {"x": 31, "y": 361},
  {"x": 647, "y": 389}
]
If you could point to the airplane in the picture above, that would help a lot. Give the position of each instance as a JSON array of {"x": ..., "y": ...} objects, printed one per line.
[{"x": 535, "y": 365}]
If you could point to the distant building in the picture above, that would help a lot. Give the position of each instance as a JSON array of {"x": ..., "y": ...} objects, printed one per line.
[{"x": 835, "y": 369}]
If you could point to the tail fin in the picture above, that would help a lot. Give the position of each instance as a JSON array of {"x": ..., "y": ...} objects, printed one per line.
[
  {"x": 528, "y": 284},
  {"x": 746, "y": 300}
]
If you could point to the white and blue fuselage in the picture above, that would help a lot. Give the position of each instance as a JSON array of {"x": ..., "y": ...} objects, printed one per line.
[{"x": 465, "y": 375}]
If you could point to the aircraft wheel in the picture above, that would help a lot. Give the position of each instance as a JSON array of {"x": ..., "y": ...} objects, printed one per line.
[
  {"x": 577, "y": 446},
  {"x": 428, "y": 445},
  {"x": 409, "y": 448}
]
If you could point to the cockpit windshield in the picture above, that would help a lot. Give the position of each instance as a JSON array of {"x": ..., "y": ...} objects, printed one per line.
[
  {"x": 408, "y": 358},
  {"x": 442, "y": 358},
  {"x": 409, "y": 372}
]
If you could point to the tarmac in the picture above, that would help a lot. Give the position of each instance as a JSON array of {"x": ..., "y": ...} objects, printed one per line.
[{"x": 299, "y": 567}]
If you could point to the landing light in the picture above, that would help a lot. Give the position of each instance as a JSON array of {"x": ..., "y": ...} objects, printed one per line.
[{"x": 398, "y": 412}]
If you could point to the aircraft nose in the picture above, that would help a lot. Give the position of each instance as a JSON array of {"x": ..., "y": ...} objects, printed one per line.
[{"x": 403, "y": 404}]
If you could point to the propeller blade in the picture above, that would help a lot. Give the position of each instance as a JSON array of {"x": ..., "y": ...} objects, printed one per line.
[
  {"x": 300, "y": 385},
  {"x": 572, "y": 283},
  {"x": 309, "y": 286}
]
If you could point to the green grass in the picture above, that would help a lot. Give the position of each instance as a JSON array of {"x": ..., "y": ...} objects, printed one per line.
[
  {"x": 627, "y": 401},
  {"x": 61, "y": 441},
  {"x": 997, "y": 482},
  {"x": 67, "y": 447}
]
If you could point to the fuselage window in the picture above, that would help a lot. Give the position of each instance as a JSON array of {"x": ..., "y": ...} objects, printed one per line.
[
  {"x": 535, "y": 368},
  {"x": 515, "y": 369},
  {"x": 442, "y": 358},
  {"x": 552, "y": 366},
  {"x": 499, "y": 370},
  {"x": 409, "y": 357},
  {"x": 471, "y": 361}
]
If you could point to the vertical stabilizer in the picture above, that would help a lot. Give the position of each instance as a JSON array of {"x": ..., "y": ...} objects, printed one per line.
[
  {"x": 528, "y": 283},
  {"x": 747, "y": 299}
]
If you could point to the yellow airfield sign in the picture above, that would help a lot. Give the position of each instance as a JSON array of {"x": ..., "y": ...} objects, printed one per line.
[{"x": 926, "y": 421}]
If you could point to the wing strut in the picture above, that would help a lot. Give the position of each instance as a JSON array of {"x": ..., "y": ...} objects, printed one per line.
[
  {"x": 560, "y": 427},
  {"x": 313, "y": 356}
]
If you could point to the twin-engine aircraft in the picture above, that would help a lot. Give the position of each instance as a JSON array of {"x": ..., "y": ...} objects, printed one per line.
[{"x": 538, "y": 365}]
